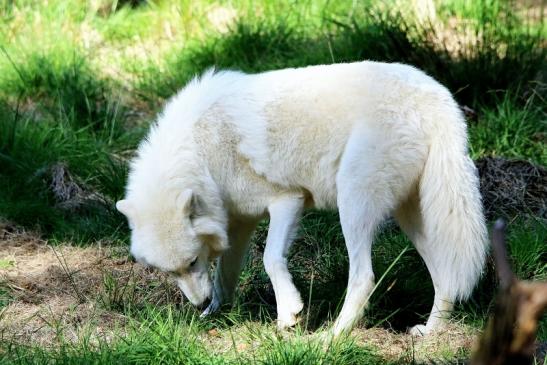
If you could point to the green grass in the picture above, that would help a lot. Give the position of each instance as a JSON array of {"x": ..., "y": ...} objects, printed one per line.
[
  {"x": 502, "y": 54},
  {"x": 512, "y": 131},
  {"x": 29, "y": 150},
  {"x": 61, "y": 112},
  {"x": 79, "y": 83},
  {"x": 170, "y": 336}
]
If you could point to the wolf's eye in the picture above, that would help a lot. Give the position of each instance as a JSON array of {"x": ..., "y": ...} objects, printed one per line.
[{"x": 194, "y": 262}]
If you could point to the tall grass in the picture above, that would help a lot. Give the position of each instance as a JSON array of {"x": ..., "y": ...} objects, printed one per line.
[
  {"x": 62, "y": 114},
  {"x": 511, "y": 128},
  {"x": 499, "y": 51}
]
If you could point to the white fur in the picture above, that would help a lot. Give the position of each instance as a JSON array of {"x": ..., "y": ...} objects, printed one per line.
[{"x": 370, "y": 139}]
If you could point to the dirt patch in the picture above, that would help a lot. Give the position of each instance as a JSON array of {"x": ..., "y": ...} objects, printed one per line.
[
  {"x": 455, "y": 338},
  {"x": 512, "y": 186},
  {"x": 81, "y": 290}
]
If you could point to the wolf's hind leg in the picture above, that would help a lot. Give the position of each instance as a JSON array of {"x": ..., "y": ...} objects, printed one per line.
[
  {"x": 409, "y": 218},
  {"x": 229, "y": 264},
  {"x": 284, "y": 217},
  {"x": 359, "y": 222},
  {"x": 372, "y": 178}
]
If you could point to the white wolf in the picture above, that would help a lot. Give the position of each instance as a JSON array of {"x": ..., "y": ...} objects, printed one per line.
[{"x": 369, "y": 139}]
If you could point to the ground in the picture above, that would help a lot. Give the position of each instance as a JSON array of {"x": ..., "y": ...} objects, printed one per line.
[{"x": 66, "y": 287}]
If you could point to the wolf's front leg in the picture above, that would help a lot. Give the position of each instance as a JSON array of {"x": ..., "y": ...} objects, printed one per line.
[
  {"x": 229, "y": 264},
  {"x": 284, "y": 217}
]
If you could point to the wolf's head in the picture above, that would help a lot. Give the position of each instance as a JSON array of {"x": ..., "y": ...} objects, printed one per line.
[{"x": 178, "y": 235}]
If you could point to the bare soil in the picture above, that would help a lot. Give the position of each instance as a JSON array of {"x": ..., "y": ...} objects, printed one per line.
[
  {"x": 510, "y": 187},
  {"x": 66, "y": 287}
]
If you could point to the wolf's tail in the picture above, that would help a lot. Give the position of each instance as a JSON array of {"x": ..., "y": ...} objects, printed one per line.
[{"x": 450, "y": 202}]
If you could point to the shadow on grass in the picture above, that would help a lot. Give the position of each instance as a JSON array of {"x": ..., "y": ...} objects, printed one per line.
[
  {"x": 319, "y": 265},
  {"x": 63, "y": 115}
]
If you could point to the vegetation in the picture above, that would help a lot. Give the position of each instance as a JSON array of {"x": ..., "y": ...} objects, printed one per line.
[{"x": 81, "y": 81}]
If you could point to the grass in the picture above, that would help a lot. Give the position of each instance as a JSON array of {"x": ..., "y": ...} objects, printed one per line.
[
  {"x": 167, "y": 336},
  {"x": 499, "y": 55},
  {"x": 151, "y": 325},
  {"x": 62, "y": 113},
  {"x": 510, "y": 131},
  {"x": 80, "y": 82}
]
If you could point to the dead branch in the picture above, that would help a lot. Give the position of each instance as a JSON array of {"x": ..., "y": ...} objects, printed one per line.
[{"x": 510, "y": 335}]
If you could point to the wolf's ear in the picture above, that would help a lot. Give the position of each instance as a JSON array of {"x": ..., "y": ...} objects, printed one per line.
[
  {"x": 212, "y": 232},
  {"x": 191, "y": 204},
  {"x": 125, "y": 207},
  {"x": 184, "y": 202}
]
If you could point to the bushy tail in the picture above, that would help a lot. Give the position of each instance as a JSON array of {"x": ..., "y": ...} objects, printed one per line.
[{"x": 450, "y": 202}]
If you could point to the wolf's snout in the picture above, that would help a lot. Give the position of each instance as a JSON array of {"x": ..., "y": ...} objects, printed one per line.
[
  {"x": 139, "y": 259},
  {"x": 205, "y": 303}
]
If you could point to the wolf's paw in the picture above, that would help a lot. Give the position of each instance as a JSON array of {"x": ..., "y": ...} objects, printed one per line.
[
  {"x": 419, "y": 330},
  {"x": 287, "y": 315},
  {"x": 287, "y": 320}
]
